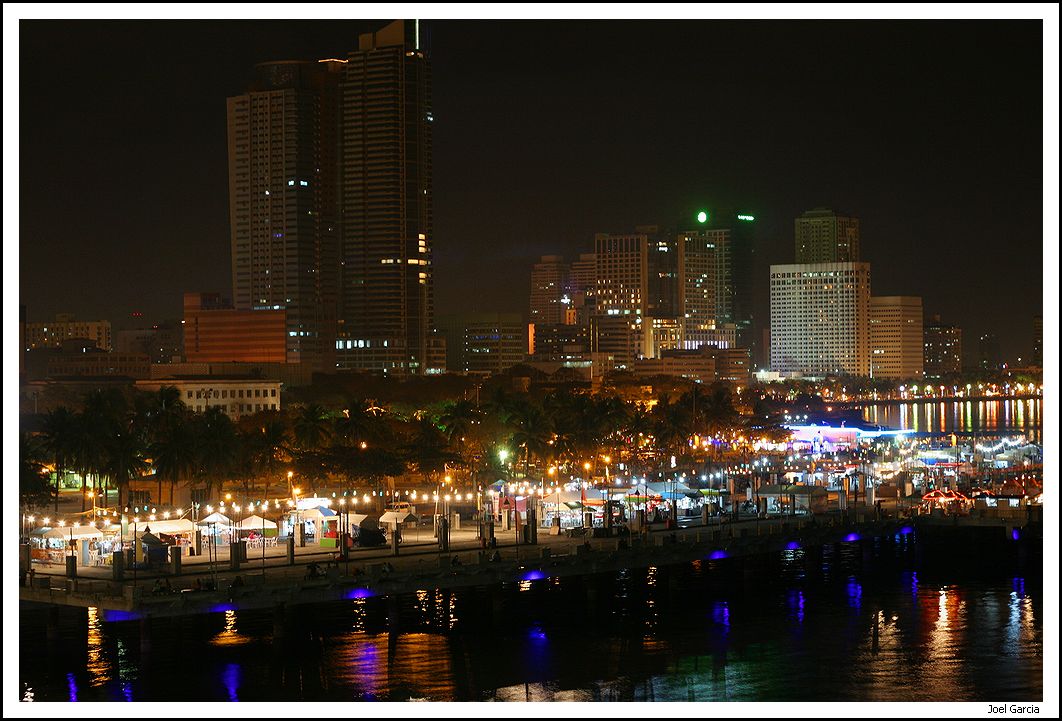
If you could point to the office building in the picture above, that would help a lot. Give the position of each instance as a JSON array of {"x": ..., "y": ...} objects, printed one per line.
[
  {"x": 550, "y": 296},
  {"x": 943, "y": 348},
  {"x": 386, "y": 313},
  {"x": 988, "y": 353},
  {"x": 215, "y": 332},
  {"x": 483, "y": 343},
  {"x": 732, "y": 235},
  {"x": 820, "y": 319},
  {"x": 823, "y": 236},
  {"x": 51, "y": 334},
  {"x": 283, "y": 202},
  {"x": 896, "y": 339}
]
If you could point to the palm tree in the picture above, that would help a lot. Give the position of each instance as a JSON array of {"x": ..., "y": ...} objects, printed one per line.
[
  {"x": 311, "y": 426},
  {"x": 173, "y": 453},
  {"x": 532, "y": 431},
  {"x": 33, "y": 486},
  {"x": 123, "y": 459},
  {"x": 59, "y": 441},
  {"x": 216, "y": 444},
  {"x": 104, "y": 415}
]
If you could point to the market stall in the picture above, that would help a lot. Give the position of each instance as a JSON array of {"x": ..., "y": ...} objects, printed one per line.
[
  {"x": 257, "y": 531},
  {"x": 52, "y": 544}
]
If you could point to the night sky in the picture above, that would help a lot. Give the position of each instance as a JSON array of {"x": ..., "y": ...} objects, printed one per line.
[{"x": 546, "y": 132}]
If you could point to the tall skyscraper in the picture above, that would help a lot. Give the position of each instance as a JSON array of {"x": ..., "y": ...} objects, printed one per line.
[
  {"x": 386, "y": 312},
  {"x": 819, "y": 318},
  {"x": 823, "y": 236},
  {"x": 622, "y": 272},
  {"x": 896, "y": 339},
  {"x": 943, "y": 348},
  {"x": 733, "y": 235},
  {"x": 550, "y": 290},
  {"x": 283, "y": 210}
]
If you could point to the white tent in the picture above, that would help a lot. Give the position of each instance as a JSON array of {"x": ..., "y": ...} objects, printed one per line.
[
  {"x": 254, "y": 523},
  {"x": 394, "y": 517},
  {"x": 68, "y": 532},
  {"x": 316, "y": 512},
  {"x": 169, "y": 526},
  {"x": 215, "y": 518}
]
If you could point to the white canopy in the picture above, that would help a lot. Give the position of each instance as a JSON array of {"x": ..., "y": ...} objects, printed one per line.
[
  {"x": 254, "y": 523},
  {"x": 317, "y": 512},
  {"x": 169, "y": 526},
  {"x": 69, "y": 532},
  {"x": 397, "y": 517},
  {"x": 355, "y": 519},
  {"x": 215, "y": 518}
]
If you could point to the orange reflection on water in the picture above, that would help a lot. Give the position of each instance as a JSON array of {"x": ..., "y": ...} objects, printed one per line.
[
  {"x": 99, "y": 668},
  {"x": 417, "y": 664},
  {"x": 230, "y": 635}
]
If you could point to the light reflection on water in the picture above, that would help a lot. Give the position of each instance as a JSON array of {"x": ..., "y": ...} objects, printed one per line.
[
  {"x": 808, "y": 625},
  {"x": 996, "y": 416}
]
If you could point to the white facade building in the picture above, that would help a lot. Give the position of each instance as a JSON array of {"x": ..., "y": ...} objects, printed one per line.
[
  {"x": 238, "y": 397},
  {"x": 820, "y": 315}
]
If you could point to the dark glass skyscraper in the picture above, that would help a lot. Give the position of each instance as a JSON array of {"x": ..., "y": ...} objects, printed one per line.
[
  {"x": 283, "y": 201},
  {"x": 386, "y": 304}
]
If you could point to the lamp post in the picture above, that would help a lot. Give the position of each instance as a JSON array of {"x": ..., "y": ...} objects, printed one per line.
[{"x": 608, "y": 495}]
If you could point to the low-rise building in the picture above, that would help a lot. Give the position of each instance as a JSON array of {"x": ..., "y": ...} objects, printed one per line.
[{"x": 237, "y": 396}]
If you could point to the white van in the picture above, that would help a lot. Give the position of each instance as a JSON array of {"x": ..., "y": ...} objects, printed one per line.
[{"x": 402, "y": 507}]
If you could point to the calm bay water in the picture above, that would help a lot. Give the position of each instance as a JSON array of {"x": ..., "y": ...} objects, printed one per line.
[
  {"x": 994, "y": 417},
  {"x": 882, "y": 620}
]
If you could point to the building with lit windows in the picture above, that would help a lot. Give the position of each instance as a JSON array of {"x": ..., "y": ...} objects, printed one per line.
[
  {"x": 942, "y": 348},
  {"x": 237, "y": 396},
  {"x": 820, "y": 316},
  {"x": 51, "y": 334},
  {"x": 896, "y": 341},
  {"x": 387, "y": 298},
  {"x": 283, "y": 202}
]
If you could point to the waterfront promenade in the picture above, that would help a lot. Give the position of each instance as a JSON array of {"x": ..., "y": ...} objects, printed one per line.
[{"x": 280, "y": 585}]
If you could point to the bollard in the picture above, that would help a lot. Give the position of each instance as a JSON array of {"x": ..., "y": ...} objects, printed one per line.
[
  {"x": 71, "y": 566},
  {"x": 118, "y": 566},
  {"x": 175, "y": 559},
  {"x": 291, "y": 550},
  {"x": 395, "y": 536}
]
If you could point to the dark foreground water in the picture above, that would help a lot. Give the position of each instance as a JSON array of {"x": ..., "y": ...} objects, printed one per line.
[{"x": 900, "y": 619}]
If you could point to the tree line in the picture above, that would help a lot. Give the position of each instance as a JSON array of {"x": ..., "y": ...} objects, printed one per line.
[{"x": 114, "y": 439}]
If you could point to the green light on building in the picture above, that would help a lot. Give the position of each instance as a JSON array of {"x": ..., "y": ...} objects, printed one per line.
[
  {"x": 702, "y": 217},
  {"x": 746, "y": 217}
]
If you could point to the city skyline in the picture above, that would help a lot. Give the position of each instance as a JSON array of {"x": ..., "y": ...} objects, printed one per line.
[{"x": 494, "y": 219}]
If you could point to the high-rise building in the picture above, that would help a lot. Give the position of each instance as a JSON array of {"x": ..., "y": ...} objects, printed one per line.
[
  {"x": 733, "y": 236},
  {"x": 988, "y": 355},
  {"x": 550, "y": 285},
  {"x": 943, "y": 348},
  {"x": 896, "y": 341},
  {"x": 819, "y": 318},
  {"x": 386, "y": 311},
  {"x": 582, "y": 282},
  {"x": 484, "y": 343},
  {"x": 283, "y": 202},
  {"x": 698, "y": 290},
  {"x": 622, "y": 273},
  {"x": 823, "y": 236}
]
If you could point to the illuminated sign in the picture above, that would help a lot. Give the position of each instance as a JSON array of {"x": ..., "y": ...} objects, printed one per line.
[{"x": 746, "y": 217}]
